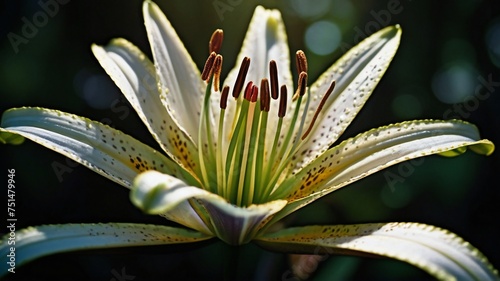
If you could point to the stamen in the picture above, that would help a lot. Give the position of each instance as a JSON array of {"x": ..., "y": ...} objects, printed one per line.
[
  {"x": 207, "y": 69},
  {"x": 215, "y": 42},
  {"x": 301, "y": 89},
  {"x": 273, "y": 73},
  {"x": 283, "y": 100},
  {"x": 318, "y": 110},
  {"x": 301, "y": 61},
  {"x": 223, "y": 98},
  {"x": 264, "y": 95},
  {"x": 242, "y": 74},
  {"x": 255, "y": 94},
  {"x": 217, "y": 69},
  {"x": 248, "y": 91}
]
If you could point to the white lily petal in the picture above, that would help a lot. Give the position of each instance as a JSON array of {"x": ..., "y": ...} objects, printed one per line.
[
  {"x": 356, "y": 75},
  {"x": 135, "y": 75},
  {"x": 179, "y": 78},
  {"x": 99, "y": 147},
  {"x": 438, "y": 252},
  {"x": 158, "y": 193},
  {"x": 36, "y": 242},
  {"x": 373, "y": 151}
]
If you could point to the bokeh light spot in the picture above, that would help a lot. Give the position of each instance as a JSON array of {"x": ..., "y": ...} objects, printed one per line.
[
  {"x": 454, "y": 84},
  {"x": 323, "y": 37}
]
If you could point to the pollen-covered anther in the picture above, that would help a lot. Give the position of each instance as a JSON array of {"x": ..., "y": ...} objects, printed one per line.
[
  {"x": 283, "y": 99},
  {"x": 217, "y": 69},
  {"x": 318, "y": 110},
  {"x": 301, "y": 61},
  {"x": 273, "y": 74},
  {"x": 223, "y": 98},
  {"x": 215, "y": 42},
  {"x": 265, "y": 99},
  {"x": 207, "y": 69},
  {"x": 240, "y": 79}
]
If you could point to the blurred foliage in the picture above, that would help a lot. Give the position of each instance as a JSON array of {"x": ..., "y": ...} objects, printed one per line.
[{"x": 447, "y": 67}]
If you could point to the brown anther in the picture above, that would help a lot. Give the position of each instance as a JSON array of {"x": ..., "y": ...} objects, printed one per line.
[
  {"x": 248, "y": 91},
  {"x": 223, "y": 98},
  {"x": 301, "y": 61},
  {"x": 216, "y": 41},
  {"x": 301, "y": 90},
  {"x": 265, "y": 99},
  {"x": 318, "y": 110},
  {"x": 273, "y": 74},
  {"x": 283, "y": 100},
  {"x": 255, "y": 94},
  {"x": 207, "y": 69},
  {"x": 242, "y": 74},
  {"x": 217, "y": 69}
]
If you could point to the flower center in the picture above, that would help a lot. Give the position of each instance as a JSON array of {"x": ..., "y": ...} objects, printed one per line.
[{"x": 243, "y": 165}]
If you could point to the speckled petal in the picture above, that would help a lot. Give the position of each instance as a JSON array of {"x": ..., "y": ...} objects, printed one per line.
[
  {"x": 356, "y": 75},
  {"x": 99, "y": 147},
  {"x": 436, "y": 251},
  {"x": 179, "y": 79},
  {"x": 373, "y": 151},
  {"x": 36, "y": 242},
  {"x": 135, "y": 75},
  {"x": 157, "y": 193}
]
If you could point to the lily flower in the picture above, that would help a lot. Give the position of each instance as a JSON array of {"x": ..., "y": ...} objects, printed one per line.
[{"x": 241, "y": 154}]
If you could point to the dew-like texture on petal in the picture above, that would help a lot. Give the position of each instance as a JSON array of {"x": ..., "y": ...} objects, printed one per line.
[
  {"x": 99, "y": 147},
  {"x": 179, "y": 79},
  {"x": 135, "y": 75},
  {"x": 356, "y": 75},
  {"x": 373, "y": 151},
  {"x": 36, "y": 242},
  {"x": 436, "y": 251}
]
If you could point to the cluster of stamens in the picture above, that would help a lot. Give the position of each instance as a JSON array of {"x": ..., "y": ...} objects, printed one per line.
[{"x": 248, "y": 171}]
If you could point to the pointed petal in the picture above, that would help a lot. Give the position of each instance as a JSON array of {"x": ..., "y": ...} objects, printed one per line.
[
  {"x": 264, "y": 41},
  {"x": 157, "y": 193},
  {"x": 135, "y": 75},
  {"x": 373, "y": 151},
  {"x": 179, "y": 78},
  {"x": 436, "y": 251},
  {"x": 36, "y": 242},
  {"x": 99, "y": 147},
  {"x": 356, "y": 75}
]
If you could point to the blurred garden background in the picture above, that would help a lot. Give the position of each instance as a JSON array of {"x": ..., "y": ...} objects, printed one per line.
[{"x": 447, "y": 66}]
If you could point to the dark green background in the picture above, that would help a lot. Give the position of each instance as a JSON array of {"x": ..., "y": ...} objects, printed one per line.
[{"x": 460, "y": 194}]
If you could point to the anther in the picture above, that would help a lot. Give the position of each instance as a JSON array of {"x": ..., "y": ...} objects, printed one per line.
[
  {"x": 242, "y": 74},
  {"x": 217, "y": 68},
  {"x": 318, "y": 110},
  {"x": 248, "y": 91},
  {"x": 207, "y": 69},
  {"x": 301, "y": 90},
  {"x": 301, "y": 61},
  {"x": 273, "y": 73},
  {"x": 255, "y": 94},
  {"x": 283, "y": 99},
  {"x": 223, "y": 98},
  {"x": 215, "y": 42},
  {"x": 264, "y": 95}
]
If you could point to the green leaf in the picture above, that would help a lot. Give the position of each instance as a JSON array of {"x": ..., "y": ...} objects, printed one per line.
[
  {"x": 36, "y": 242},
  {"x": 10, "y": 138},
  {"x": 436, "y": 251},
  {"x": 99, "y": 147}
]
